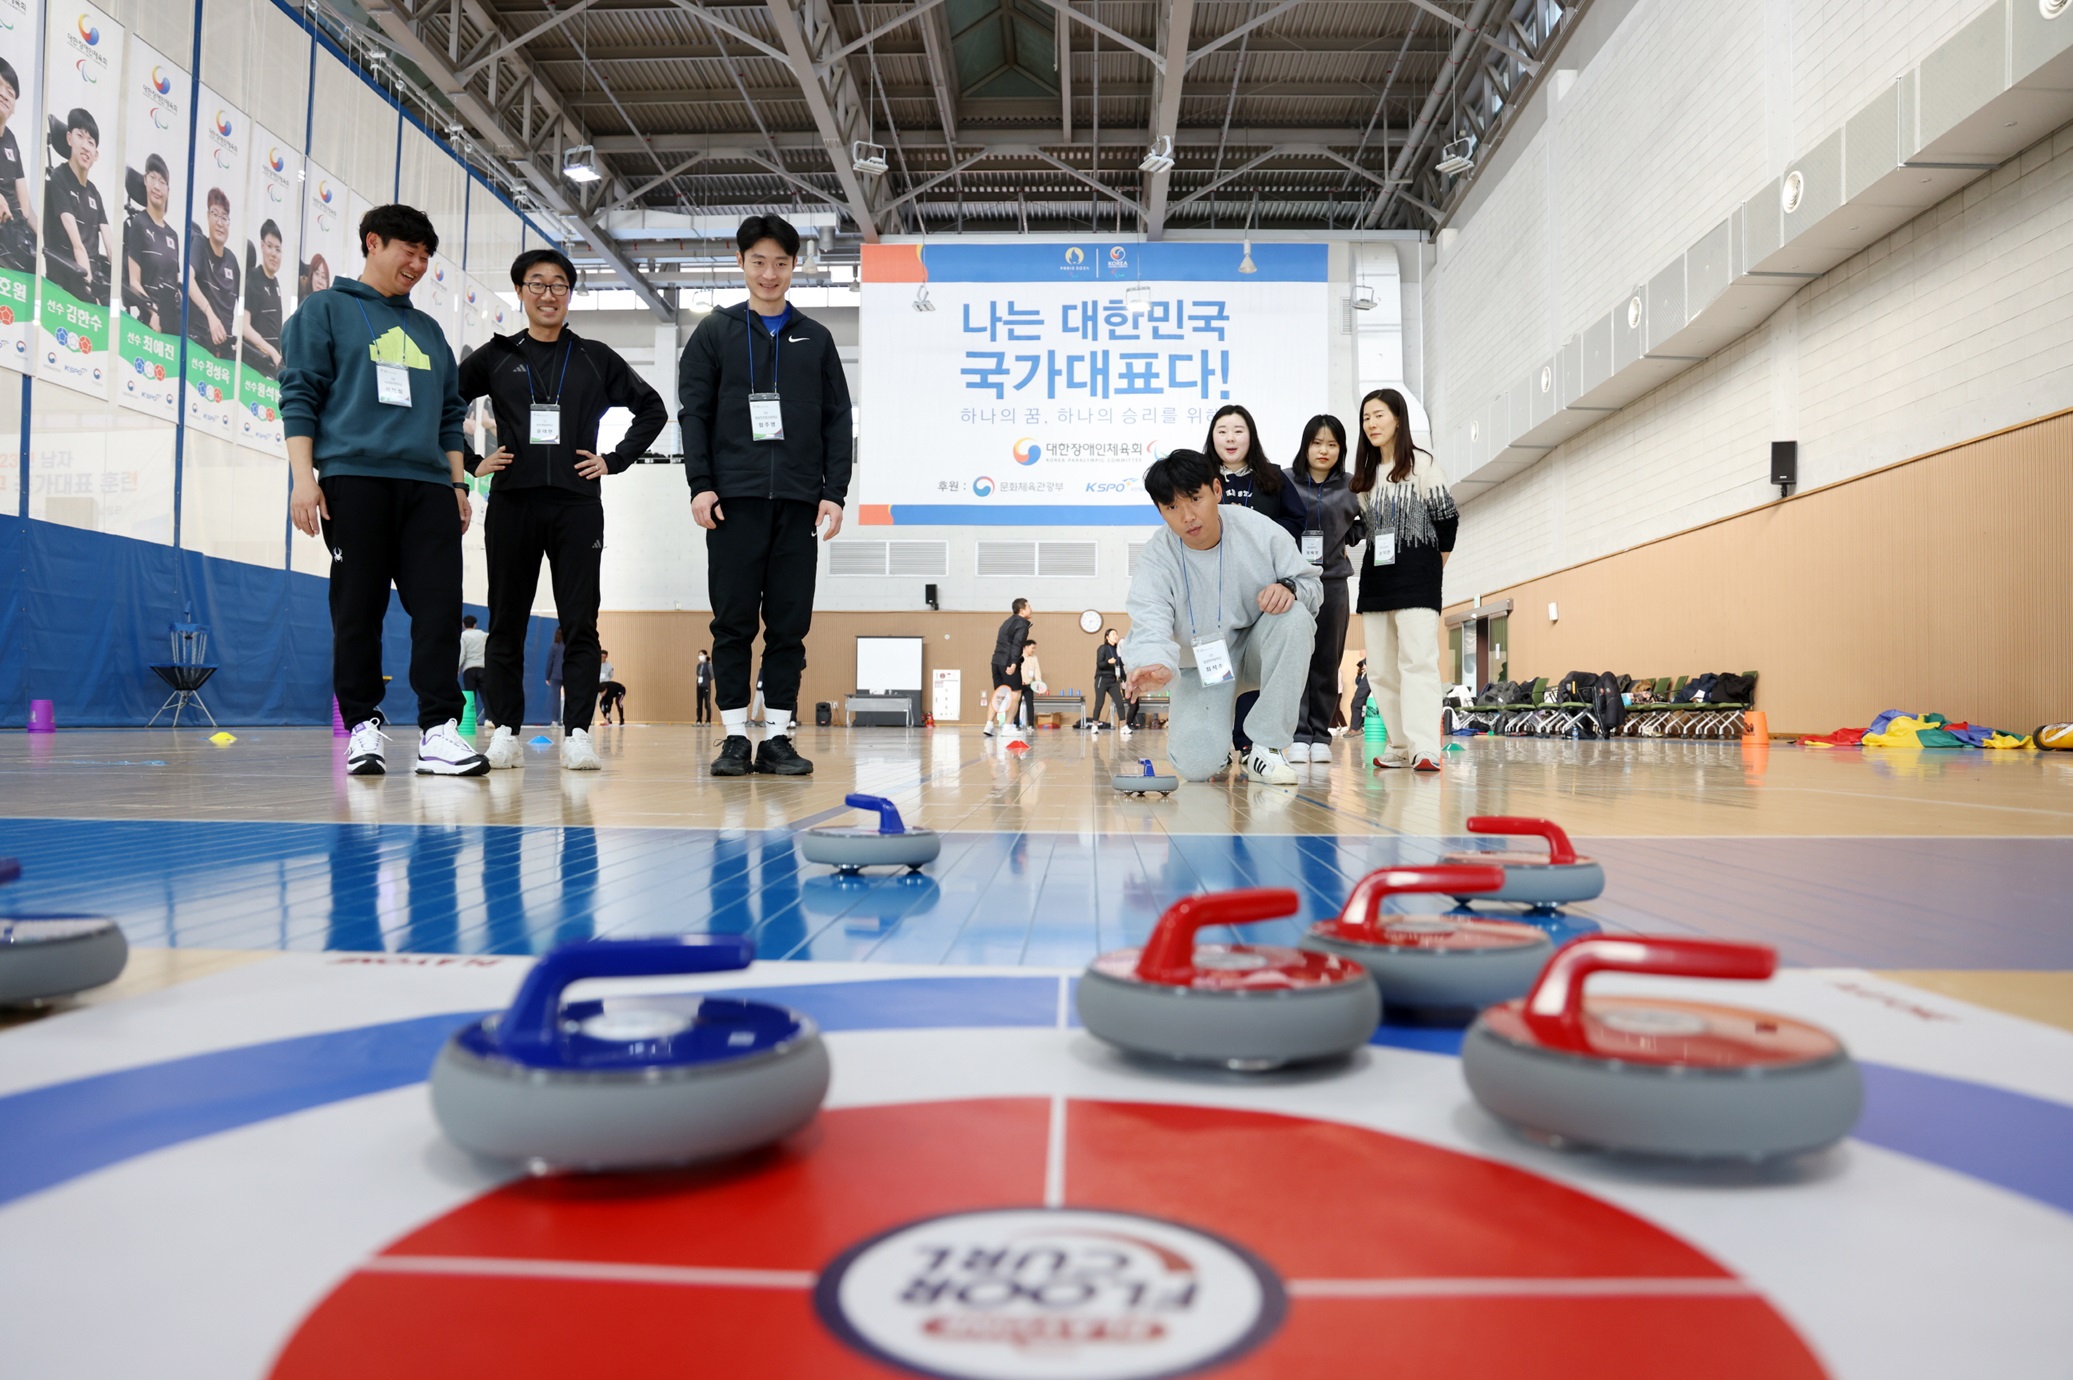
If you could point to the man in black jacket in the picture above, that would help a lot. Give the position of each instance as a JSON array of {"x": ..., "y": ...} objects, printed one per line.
[
  {"x": 1007, "y": 670},
  {"x": 766, "y": 424},
  {"x": 549, "y": 389}
]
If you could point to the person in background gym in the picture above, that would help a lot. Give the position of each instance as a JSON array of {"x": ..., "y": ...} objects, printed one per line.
[
  {"x": 1250, "y": 480},
  {"x": 766, "y": 427},
  {"x": 1007, "y": 671},
  {"x": 473, "y": 640},
  {"x": 1108, "y": 683},
  {"x": 1409, "y": 520},
  {"x": 1033, "y": 685},
  {"x": 1327, "y": 514},
  {"x": 548, "y": 389},
  {"x": 369, "y": 400},
  {"x": 610, "y": 693},
  {"x": 705, "y": 686},
  {"x": 556, "y": 655}
]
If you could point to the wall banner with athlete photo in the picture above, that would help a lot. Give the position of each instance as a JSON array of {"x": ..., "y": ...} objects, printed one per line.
[
  {"x": 271, "y": 245},
  {"x": 154, "y": 214},
  {"x": 326, "y": 239},
  {"x": 21, "y": 188},
  {"x": 82, "y": 100},
  {"x": 215, "y": 263}
]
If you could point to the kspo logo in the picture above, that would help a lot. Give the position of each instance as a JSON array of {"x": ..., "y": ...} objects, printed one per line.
[
  {"x": 983, "y": 486},
  {"x": 1115, "y": 488},
  {"x": 1033, "y": 1294}
]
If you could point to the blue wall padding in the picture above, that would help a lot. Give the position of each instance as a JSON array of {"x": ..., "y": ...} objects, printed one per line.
[{"x": 83, "y": 616}]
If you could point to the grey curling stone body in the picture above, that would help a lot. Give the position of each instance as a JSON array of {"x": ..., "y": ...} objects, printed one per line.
[
  {"x": 1655, "y": 1076},
  {"x": 849, "y": 848},
  {"x": 1144, "y": 781},
  {"x": 628, "y": 1083},
  {"x": 1241, "y": 1006},
  {"x": 43, "y": 957},
  {"x": 1440, "y": 963}
]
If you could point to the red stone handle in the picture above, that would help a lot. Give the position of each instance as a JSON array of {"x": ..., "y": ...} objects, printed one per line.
[
  {"x": 1518, "y": 826},
  {"x": 1363, "y": 908},
  {"x": 1169, "y": 955},
  {"x": 1555, "y": 1006}
]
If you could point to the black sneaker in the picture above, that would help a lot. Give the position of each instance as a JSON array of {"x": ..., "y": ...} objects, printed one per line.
[
  {"x": 777, "y": 757},
  {"x": 734, "y": 757}
]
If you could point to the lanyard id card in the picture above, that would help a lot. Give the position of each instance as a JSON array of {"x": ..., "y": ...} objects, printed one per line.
[
  {"x": 392, "y": 385},
  {"x": 1313, "y": 547},
  {"x": 1383, "y": 544},
  {"x": 766, "y": 418},
  {"x": 546, "y": 424},
  {"x": 1213, "y": 661}
]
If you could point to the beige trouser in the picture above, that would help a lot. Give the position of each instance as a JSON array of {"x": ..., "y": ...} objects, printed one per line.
[{"x": 1404, "y": 676}]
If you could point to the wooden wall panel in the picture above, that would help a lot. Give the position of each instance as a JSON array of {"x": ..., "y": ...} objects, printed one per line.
[{"x": 1937, "y": 584}]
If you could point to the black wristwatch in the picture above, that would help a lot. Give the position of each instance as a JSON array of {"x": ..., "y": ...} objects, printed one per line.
[
  {"x": 462, "y": 485},
  {"x": 1287, "y": 584}
]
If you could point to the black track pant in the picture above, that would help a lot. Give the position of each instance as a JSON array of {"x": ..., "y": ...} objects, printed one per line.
[
  {"x": 1321, "y": 695},
  {"x": 518, "y": 530},
  {"x": 760, "y": 564},
  {"x": 705, "y": 704},
  {"x": 1109, "y": 689},
  {"x": 407, "y": 531}
]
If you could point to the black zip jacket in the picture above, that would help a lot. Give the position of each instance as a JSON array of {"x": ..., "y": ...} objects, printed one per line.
[
  {"x": 1007, "y": 643},
  {"x": 597, "y": 380},
  {"x": 812, "y": 462}
]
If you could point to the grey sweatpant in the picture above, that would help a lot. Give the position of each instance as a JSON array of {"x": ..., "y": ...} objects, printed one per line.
[{"x": 1273, "y": 657}]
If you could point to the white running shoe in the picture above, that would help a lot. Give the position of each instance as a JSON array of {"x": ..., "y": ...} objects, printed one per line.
[
  {"x": 442, "y": 751},
  {"x": 1268, "y": 766},
  {"x": 1126, "y": 730},
  {"x": 1320, "y": 754},
  {"x": 505, "y": 750},
  {"x": 364, "y": 750},
  {"x": 1393, "y": 758},
  {"x": 576, "y": 752}
]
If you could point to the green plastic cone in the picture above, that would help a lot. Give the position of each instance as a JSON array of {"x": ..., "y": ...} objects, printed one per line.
[{"x": 468, "y": 714}]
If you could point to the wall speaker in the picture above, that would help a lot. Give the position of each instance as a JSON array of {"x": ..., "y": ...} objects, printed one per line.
[
  {"x": 1785, "y": 466},
  {"x": 928, "y": 594}
]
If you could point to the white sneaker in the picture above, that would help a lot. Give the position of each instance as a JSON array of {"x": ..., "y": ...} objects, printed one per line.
[
  {"x": 1320, "y": 754},
  {"x": 442, "y": 751},
  {"x": 505, "y": 750},
  {"x": 1393, "y": 758},
  {"x": 576, "y": 752},
  {"x": 1126, "y": 730},
  {"x": 1267, "y": 765},
  {"x": 364, "y": 750}
]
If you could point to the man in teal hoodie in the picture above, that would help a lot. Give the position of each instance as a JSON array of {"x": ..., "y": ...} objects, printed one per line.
[{"x": 370, "y": 401}]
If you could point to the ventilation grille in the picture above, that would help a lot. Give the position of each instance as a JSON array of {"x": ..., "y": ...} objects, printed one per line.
[
  {"x": 1136, "y": 551},
  {"x": 1076, "y": 560},
  {"x": 906, "y": 558},
  {"x": 1007, "y": 558}
]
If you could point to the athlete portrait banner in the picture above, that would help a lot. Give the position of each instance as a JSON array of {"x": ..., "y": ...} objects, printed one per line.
[
  {"x": 272, "y": 244},
  {"x": 438, "y": 296},
  {"x": 21, "y": 182},
  {"x": 326, "y": 240},
  {"x": 154, "y": 217},
  {"x": 215, "y": 267},
  {"x": 1050, "y": 373},
  {"x": 82, "y": 100}
]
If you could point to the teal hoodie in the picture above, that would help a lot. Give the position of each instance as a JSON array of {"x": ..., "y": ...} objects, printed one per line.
[{"x": 328, "y": 352}]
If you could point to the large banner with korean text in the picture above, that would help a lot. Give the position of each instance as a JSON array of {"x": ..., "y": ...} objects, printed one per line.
[{"x": 1032, "y": 382}]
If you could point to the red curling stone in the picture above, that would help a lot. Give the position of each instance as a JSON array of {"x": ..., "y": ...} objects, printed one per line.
[
  {"x": 1543, "y": 882},
  {"x": 1657, "y": 1075},
  {"x": 1433, "y": 963},
  {"x": 1242, "y": 1006}
]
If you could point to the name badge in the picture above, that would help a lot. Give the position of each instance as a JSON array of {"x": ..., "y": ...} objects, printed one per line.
[
  {"x": 1313, "y": 547},
  {"x": 392, "y": 385},
  {"x": 1213, "y": 662},
  {"x": 1383, "y": 544},
  {"x": 766, "y": 419},
  {"x": 546, "y": 425}
]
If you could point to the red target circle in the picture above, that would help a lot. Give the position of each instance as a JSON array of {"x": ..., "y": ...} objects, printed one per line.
[{"x": 1390, "y": 1250}]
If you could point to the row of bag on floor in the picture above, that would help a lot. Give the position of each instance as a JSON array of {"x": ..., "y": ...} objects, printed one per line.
[
  {"x": 1606, "y": 704},
  {"x": 1898, "y": 728}
]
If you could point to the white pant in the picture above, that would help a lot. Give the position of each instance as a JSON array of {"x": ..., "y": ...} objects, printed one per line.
[{"x": 1404, "y": 676}]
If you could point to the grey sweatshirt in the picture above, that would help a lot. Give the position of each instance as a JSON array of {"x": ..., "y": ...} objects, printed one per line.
[{"x": 1255, "y": 551}]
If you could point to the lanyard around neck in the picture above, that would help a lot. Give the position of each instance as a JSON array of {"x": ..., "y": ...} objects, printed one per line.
[
  {"x": 401, "y": 320},
  {"x": 532, "y": 390},
  {"x": 776, "y": 337},
  {"x": 1188, "y": 588}
]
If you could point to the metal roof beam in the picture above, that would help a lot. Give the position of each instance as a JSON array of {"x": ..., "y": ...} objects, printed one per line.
[
  {"x": 837, "y": 111},
  {"x": 1175, "y": 18},
  {"x": 719, "y": 145},
  {"x": 1065, "y": 9}
]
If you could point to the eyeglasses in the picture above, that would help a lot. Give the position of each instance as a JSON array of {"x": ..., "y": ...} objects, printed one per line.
[{"x": 540, "y": 289}]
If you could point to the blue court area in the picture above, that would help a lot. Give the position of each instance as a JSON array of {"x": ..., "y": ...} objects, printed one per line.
[{"x": 1038, "y": 898}]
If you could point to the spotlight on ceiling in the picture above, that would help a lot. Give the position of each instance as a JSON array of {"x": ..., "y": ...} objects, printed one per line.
[
  {"x": 1363, "y": 298},
  {"x": 579, "y": 163},
  {"x": 1159, "y": 157},
  {"x": 921, "y": 299},
  {"x": 1138, "y": 297},
  {"x": 867, "y": 158},
  {"x": 1246, "y": 265},
  {"x": 1458, "y": 157}
]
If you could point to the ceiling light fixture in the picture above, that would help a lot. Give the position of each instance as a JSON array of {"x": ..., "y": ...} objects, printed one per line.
[
  {"x": 1159, "y": 157},
  {"x": 868, "y": 158},
  {"x": 1363, "y": 298},
  {"x": 921, "y": 299},
  {"x": 579, "y": 163},
  {"x": 1458, "y": 157}
]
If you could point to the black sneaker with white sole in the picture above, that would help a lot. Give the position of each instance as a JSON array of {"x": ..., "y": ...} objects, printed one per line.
[
  {"x": 776, "y": 756},
  {"x": 734, "y": 757},
  {"x": 442, "y": 751}
]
